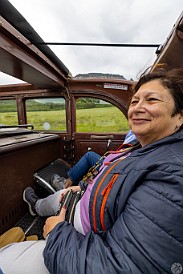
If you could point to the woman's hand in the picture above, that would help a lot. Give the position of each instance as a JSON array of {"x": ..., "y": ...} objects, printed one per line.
[
  {"x": 51, "y": 222},
  {"x": 74, "y": 188}
]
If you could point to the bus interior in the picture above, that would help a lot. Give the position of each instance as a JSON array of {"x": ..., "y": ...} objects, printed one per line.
[{"x": 49, "y": 122}]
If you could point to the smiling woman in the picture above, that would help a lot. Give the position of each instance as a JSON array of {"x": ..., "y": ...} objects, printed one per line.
[
  {"x": 132, "y": 206},
  {"x": 128, "y": 219},
  {"x": 152, "y": 113}
]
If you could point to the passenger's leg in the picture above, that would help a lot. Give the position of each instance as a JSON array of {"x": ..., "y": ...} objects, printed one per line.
[
  {"x": 49, "y": 205},
  {"x": 82, "y": 166},
  {"x": 23, "y": 258}
]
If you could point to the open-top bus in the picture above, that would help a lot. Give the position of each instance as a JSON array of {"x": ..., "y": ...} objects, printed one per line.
[{"x": 49, "y": 122}]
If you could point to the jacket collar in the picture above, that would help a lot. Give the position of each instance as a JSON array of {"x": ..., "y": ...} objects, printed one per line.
[{"x": 174, "y": 138}]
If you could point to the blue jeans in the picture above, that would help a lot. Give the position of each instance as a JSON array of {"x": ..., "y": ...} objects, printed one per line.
[{"x": 88, "y": 160}]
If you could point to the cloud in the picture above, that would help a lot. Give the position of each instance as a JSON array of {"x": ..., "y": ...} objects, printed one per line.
[{"x": 103, "y": 21}]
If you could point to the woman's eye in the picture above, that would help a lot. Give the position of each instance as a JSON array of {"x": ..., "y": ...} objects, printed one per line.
[
  {"x": 152, "y": 99},
  {"x": 133, "y": 102}
]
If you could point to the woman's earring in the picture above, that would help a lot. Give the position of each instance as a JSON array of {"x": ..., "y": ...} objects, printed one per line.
[{"x": 176, "y": 129}]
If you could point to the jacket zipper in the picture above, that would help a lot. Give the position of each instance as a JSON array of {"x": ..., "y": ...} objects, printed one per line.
[
  {"x": 96, "y": 193},
  {"x": 98, "y": 188},
  {"x": 105, "y": 194}
]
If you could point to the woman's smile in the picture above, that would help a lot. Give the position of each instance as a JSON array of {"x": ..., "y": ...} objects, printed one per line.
[{"x": 140, "y": 120}]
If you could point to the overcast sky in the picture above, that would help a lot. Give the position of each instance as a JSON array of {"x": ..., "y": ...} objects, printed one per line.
[{"x": 102, "y": 21}]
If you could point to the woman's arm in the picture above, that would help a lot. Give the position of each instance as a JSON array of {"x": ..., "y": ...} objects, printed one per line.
[{"x": 68, "y": 251}]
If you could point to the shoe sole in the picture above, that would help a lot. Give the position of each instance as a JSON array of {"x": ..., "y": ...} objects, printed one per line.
[{"x": 30, "y": 209}]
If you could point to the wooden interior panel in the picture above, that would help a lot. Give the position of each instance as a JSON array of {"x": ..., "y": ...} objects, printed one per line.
[
  {"x": 96, "y": 142},
  {"x": 16, "y": 173}
]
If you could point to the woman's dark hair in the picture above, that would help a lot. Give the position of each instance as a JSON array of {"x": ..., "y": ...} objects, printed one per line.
[{"x": 170, "y": 79}]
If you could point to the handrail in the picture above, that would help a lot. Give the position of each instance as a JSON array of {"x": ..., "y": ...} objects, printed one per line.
[{"x": 18, "y": 126}]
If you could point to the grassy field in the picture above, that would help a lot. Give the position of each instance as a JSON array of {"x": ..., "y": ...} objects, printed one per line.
[
  {"x": 108, "y": 119},
  {"x": 8, "y": 118},
  {"x": 101, "y": 120}
]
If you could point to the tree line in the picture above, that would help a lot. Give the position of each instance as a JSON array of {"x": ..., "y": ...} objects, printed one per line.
[{"x": 32, "y": 105}]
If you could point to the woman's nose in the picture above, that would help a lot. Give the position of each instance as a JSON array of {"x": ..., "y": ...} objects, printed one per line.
[{"x": 139, "y": 106}]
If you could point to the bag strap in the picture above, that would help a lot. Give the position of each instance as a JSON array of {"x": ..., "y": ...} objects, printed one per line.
[{"x": 94, "y": 170}]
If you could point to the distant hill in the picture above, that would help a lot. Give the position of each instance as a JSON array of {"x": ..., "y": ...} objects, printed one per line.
[{"x": 99, "y": 75}]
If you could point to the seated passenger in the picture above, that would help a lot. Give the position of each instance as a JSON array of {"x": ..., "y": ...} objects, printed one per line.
[
  {"x": 49, "y": 205},
  {"x": 83, "y": 165},
  {"x": 131, "y": 213}
]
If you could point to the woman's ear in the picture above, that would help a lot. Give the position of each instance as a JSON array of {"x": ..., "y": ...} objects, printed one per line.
[{"x": 180, "y": 120}]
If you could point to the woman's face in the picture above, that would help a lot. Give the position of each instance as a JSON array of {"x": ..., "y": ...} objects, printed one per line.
[{"x": 150, "y": 113}]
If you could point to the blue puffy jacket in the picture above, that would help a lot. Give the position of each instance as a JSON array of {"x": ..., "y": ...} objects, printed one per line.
[{"x": 142, "y": 226}]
